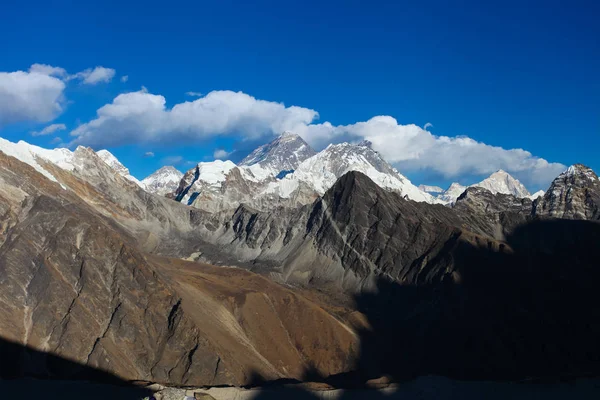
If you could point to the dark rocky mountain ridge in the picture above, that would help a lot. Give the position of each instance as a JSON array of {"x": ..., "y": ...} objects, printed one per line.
[{"x": 485, "y": 290}]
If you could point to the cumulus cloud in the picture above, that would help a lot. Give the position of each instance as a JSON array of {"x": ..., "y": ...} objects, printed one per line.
[
  {"x": 411, "y": 148},
  {"x": 148, "y": 154},
  {"x": 50, "y": 129},
  {"x": 193, "y": 94},
  {"x": 143, "y": 117},
  {"x": 35, "y": 95},
  {"x": 220, "y": 154},
  {"x": 173, "y": 160},
  {"x": 93, "y": 76},
  {"x": 56, "y": 140},
  {"x": 428, "y": 125},
  {"x": 45, "y": 69},
  {"x": 124, "y": 78}
]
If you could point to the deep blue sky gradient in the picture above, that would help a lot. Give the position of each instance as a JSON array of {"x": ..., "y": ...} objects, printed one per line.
[{"x": 514, "y": 74}]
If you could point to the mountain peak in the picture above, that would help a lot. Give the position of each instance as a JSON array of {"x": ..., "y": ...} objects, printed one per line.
[
  {"x": 575, "y": 193},
  {"x": 580, "y": 169},
  {"x": 112, "y": 162},
  {"x": 502, "y": 182},
  {"x": 289, "y": 134},
  {"x": 284, "y": 153},
  {"x": 162, "y": 181}
]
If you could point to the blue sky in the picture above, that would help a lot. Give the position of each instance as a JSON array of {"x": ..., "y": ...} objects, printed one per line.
[{"x": 490, "y": 78}]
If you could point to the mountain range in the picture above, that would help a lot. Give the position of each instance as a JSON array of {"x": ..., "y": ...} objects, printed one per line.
[
  {"x": 293, "y": 265},
  {"x": 288, "y": 172}
]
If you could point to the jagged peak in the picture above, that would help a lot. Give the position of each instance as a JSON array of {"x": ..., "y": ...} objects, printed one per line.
[
  {"x": 578, "y": 169},
  {"x": 350, "y": 181},
  {"x": 366, "y": 143},
  {"x": 289, "y": 134}
]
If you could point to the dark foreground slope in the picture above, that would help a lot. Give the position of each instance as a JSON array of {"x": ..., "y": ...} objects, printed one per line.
[
  {"x": 76, "y": 284},
  {"x": 94, "y": 273}
]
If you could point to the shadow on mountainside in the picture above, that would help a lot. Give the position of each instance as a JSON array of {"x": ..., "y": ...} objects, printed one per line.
[
  {"x": 28, "y": 373},
  {"x": 527, "y": 311}
]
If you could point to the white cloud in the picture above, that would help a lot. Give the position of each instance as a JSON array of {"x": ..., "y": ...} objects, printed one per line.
[
  {"x": 148, "y": 154},
  {"x": 411, "y": 148},
  {"x": 49, "y": 70},
  {"x": 56, "y": 140},
  {"x": 124, "y": 78},
  {"x": 93, "y": 76},
  {"x": 143, "y": 117},
  {"x": 30, "y": 96},
  {"x": 428, "y": 125},
  {"x": 172, "y": 160},
  {"x": 193, "y": 94},
  {"x": 220, "y": 154},
  {"x": 50, "y": 129}
]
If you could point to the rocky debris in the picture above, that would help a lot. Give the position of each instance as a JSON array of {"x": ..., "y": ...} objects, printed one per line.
[{"x": 574, "y": 194}]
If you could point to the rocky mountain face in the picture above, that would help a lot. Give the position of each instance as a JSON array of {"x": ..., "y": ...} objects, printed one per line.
[
  {"x": 493, "y": 215},
  {"x": 574, "y": 194},
  {"x": 360, "y": 280},
  {"x": 79, "y": 280},
  {"x": 480, "y": 275},
  {"x": 117, "y": 166},
  {"x": 163, "y": 181}
]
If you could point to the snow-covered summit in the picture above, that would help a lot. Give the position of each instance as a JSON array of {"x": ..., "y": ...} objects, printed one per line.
[
  {"x": 579, "y": 170},
  {"x": 164, "y": 180},
  {"x": 284, "y": 153},
  {"x": 35, "y": 156},
  {"x": 498, "y": 182},
  {"x": 322, "y": 170},
  {"x": 453, "y": 192},
  {"x": 117, "y": 166},
  {"x": 502, "y": 182}
]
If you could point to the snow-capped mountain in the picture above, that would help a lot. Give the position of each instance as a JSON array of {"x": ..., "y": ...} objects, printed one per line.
[
  {"x": 163, "y": 181},
  {"x": 502, "y": 182},
  {"x": 37, "y": 156},
  {"x": 275, "y": 175},
  {"x": 498, "y": 182},
  {"x": 453, "y": 192},
  {"x": 118, "y": 167},
  {"x": 322, "y": 170},
  {"x": 281, "y": 156},
  {"x": 431, "y": 189},
  {"x": 81, "y": 162}
]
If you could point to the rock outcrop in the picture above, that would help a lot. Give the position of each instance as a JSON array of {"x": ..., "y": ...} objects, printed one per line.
[{"x": 574, "y": 194}]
